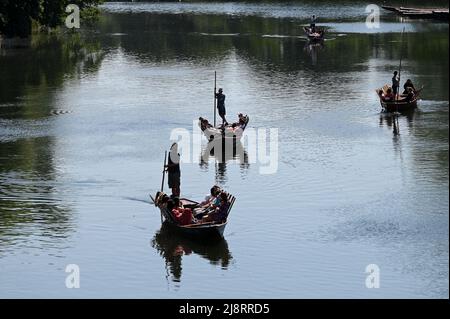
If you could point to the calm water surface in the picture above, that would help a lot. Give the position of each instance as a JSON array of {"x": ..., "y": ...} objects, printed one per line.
[{"x": 85, "y": 120}]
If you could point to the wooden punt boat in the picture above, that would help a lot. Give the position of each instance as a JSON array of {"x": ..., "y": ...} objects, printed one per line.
[
  {"x": 316, "y": 36},
  {"x": 207, "y": 229},
  {"x": 420, "y": 13},
  {"x": 400, "y": 105},
  {"x": 227, "y": 132}
]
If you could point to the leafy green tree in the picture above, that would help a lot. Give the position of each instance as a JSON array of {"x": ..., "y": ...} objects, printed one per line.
[{"x": 16, "y": 17}]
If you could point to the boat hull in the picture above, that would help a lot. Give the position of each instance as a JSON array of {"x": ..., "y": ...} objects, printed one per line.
[
  {"x": 217, "y": 136},
  {"x": 210, "y": 231},
  {"x": 399, "y": 106},
  {"x": 228, "y": 133},
  {"x": 200, "y": 230}
]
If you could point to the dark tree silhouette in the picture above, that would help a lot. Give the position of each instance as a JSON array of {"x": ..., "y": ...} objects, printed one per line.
[{"x": 16, "y": 16}]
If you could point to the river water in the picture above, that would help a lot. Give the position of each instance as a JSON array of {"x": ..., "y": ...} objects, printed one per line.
[{"x": 86, "y": 116}]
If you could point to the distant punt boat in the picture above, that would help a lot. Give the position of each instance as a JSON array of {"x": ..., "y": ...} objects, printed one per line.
[
  {"x": 420, "y": 13},
  {"x": 400, "y": 105},
  {"x": 208, "y": 229},
  {"x": 318, "y": 35}
]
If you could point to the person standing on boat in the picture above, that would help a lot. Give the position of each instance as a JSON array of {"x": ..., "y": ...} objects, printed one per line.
[
  {"x": 395, "y": 83},
  {"x": 221, "y": 105},
  {"x": 173, "y": 170},
  {"x": 312, "y": 25},
  {"x": 408, "y": 84}
]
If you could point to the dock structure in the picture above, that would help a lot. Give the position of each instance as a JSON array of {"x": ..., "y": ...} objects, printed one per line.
[{"x": 420, "y": 13}]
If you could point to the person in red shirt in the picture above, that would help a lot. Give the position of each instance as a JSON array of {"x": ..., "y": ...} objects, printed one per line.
[{"x": 182, "y": 216}]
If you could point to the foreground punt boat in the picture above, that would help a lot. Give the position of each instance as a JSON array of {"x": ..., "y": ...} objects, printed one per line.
[
  {"x": 400, "y": 105},
  {"x": 208, "y": 229}
]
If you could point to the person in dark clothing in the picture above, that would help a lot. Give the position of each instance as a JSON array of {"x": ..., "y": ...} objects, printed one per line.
[
  {"x": 408, "y": 84},
  {"x": 173, "y": 170},
  {"x": 312, "y": 25},
  {"x": 221, "y": 106},
  {"x": 395, "y": 83}
]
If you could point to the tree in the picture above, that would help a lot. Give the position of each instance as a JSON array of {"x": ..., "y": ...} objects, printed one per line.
[{"x": 16, "y": 17}]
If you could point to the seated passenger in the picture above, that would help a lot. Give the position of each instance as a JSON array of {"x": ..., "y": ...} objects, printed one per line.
[
  {"x": 204, "y": 123},
  {"x": 410, "y": 95},
  {"x": 183, "y": 216},
  {"x": 211, "y": 197},
  {"x": 212, "y": 202},
  {"x": 408, "y": 84},
  {"x": 389, "y": 96},
  {"x": 220, "y": 213},
  {"x": 161, "y": 199}
]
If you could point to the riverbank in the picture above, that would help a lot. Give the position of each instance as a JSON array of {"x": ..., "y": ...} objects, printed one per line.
[{"x": 12, "y": 43}]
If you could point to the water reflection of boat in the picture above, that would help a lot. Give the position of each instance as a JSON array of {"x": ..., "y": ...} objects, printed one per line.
[
  {"x": 314, "y": 35},
  {"x": 389, "y": 119},
  {"x": 313, "y": 48},
  {"x": 222, "y": 153},
  {"x": 172, "y": 246}
]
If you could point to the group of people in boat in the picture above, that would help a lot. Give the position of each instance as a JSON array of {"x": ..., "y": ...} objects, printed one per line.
[
  {"x": 225, "y": 127},
  {"x": 391, "y": 94},
  {"x": 213, "y": 209}
]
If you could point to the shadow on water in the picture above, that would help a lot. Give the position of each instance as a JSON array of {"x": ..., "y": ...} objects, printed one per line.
[
  {"x": 222, "y": 154},
  {"x": 172, "y": 246}
]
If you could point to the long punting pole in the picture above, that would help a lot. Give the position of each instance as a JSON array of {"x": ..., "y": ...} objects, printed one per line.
[
  {"x": 164, "y": 171},
  {"x": 215, "y": 82},
  {"x": 400, "y": 66},
  {"x": 163, "y": 176}
]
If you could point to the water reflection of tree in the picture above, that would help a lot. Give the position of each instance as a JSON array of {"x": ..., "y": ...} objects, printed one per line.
[
  {"x": 30, "y": 204},
  {"x": 31, "y": 199},
  {"x": 31, "y": 74},
  {"x": 224, "y": 151},
  {"x": 172, "y": 246}
]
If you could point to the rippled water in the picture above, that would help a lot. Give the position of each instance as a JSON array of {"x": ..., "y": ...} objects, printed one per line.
[{"x": 85, "y": 122}]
